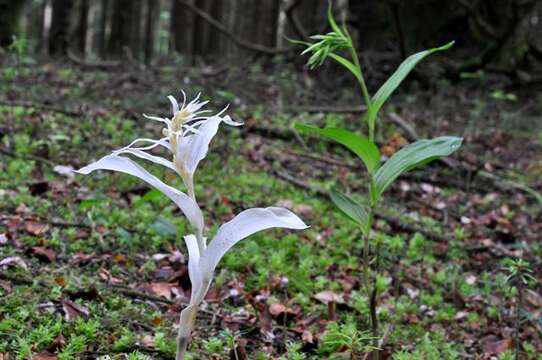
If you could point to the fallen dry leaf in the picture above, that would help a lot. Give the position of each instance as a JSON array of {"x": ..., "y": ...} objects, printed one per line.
[
  {"x": 73, "y": 310},
  {"x": 43, "y": 253},
  {"x": 13, "y": 260},
  {"x": 276, "y": 309},
  {"x": 495, "y": 347},
  {"x": 35, "y": 228},
  {"x": 160, "y": 289},
  {"x": 307, "y": 337},
  {"x": 3, "y": 240}
]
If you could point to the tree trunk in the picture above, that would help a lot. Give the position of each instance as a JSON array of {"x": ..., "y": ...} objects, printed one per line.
[
  {"x": 135, "y": 32},
  {"x": 153, "y": 8},
  {"x": 60, "y": 27},
  {"x": 10, "y": 14},
  {"x": 82, "y": 27},
  {"x": 121, "y": 27},
  {"x": 103, "y": 32},
  {"x": 182, "y": 27}
]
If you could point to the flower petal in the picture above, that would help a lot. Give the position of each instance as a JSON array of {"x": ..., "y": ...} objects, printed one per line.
[
  {"x": 245, "y": 224},
  {"x": 193, "y": 148},
  {"x": 118, "y": 163},
  {"x": 174, "y": 104},
  {"x": 227, "y": 119},
  {"x": 144, "y": 155}
]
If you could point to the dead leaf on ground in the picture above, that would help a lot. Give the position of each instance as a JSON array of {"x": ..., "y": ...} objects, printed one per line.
[
  {"x": 58, "y": 343},
  {"x": 162, "y": 289},
  {"x": 277, "y": 308},
  {"x": 73, "y": 310},
  {"x": 43, "y": 253},
  {"x": 3, "y": 240},
  {"x": 35, "y": 228},
  {"x": 14, "y": 260},
  {"x": 147, "y": 341},
  {"x": 492, "y": 346},
  {"x": 307, "y": 337}
]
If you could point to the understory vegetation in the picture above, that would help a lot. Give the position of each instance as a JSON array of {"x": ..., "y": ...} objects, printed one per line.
[{"x": 96, "y": 267}]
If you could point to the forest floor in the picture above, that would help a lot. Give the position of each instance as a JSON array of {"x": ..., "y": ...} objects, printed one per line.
[{"x": 95, "y": 266}]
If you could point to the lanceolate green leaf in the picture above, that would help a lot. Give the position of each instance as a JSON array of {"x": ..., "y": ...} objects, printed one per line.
[
  {"x": 347, "y": 64},
  {"x": 411, "y": 156},
  {"x": 395, "y": 80},
  {"x": 351, "y": 208},
  {"x": 363, "y": 148}
]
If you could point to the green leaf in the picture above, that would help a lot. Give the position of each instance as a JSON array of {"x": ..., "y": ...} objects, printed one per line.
[
  {"x": 347, "y": 64},
  {"x": 395, "y": 80},
  {"x": 331, "y": 20},
  {"x": 363, "y": 148},
  {"x": 351, "y": 208},
  {"x": 413, "y": 155},
  {"x": 164, "y": 227}
]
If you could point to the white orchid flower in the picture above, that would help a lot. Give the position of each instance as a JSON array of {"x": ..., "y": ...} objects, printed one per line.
[
  {"x": 187, "y": 136},
  {"x": 201, "y": 265}
]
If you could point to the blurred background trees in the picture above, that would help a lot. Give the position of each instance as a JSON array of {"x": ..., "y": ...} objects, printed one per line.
[{"x": 494, "y": 35}]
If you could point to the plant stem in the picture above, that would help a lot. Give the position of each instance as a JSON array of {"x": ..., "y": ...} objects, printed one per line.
[
  {"x": 363, "y": 86},
  {"x": 186, "y": 323},
  {"x": 182, "y": 344},
  {"x": 518, "y": 314},
  {"x": 361, "y": 80},
  {"x": 371, "y": 290}
]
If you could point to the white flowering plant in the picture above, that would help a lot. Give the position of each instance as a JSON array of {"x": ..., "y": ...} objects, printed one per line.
[
  {"x": 186, "y": 138},
  {"x": 380, "y": 176}
]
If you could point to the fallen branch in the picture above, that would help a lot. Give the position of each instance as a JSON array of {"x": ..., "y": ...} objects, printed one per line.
[
  {"x": 27, "y": 157},
  {"x": 293, "y": 20},
  {"x": 225, "y": 31},
  {"x": 103, "y": 65}
]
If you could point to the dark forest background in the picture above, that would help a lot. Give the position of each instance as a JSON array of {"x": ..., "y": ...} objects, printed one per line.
[{"x": 499, "y": 36}]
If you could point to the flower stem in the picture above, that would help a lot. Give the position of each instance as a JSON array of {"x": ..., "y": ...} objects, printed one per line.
[{"x": 186, "y": 324}]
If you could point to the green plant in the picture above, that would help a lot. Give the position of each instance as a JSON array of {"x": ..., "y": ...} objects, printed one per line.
[
  {"x": 380, "y": 176},
  {"x": 431, "y": 347},
  {"x": 519, "y": 276},
  {"x": 346, "y": 337},
  {"x": 186, "y": 139}
]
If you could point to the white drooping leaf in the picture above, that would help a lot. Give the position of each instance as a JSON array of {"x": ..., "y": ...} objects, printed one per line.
[
  {"x": 122, "y": 164},
  {"x": 243, "y": 225}
]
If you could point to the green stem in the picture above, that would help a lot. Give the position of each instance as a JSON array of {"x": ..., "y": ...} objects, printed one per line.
[
  {"x": 371, "y": 290},
  {"x": 363, "y": 86},
  {"x": 361, "y": 80}
]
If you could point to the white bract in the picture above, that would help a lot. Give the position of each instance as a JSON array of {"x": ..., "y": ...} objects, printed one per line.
[{"x": 186, "y": 138}]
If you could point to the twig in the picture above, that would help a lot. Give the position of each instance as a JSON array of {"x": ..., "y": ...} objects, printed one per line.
[
  {"x": 225, "y": 31},
  {"x": 27, "y": 156},
  {"x": 294, "y": 20},
  {"x": 105, "y": 65}
]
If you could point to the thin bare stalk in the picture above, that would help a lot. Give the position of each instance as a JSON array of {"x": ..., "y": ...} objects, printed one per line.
[{"x": 186, "y": 324}]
